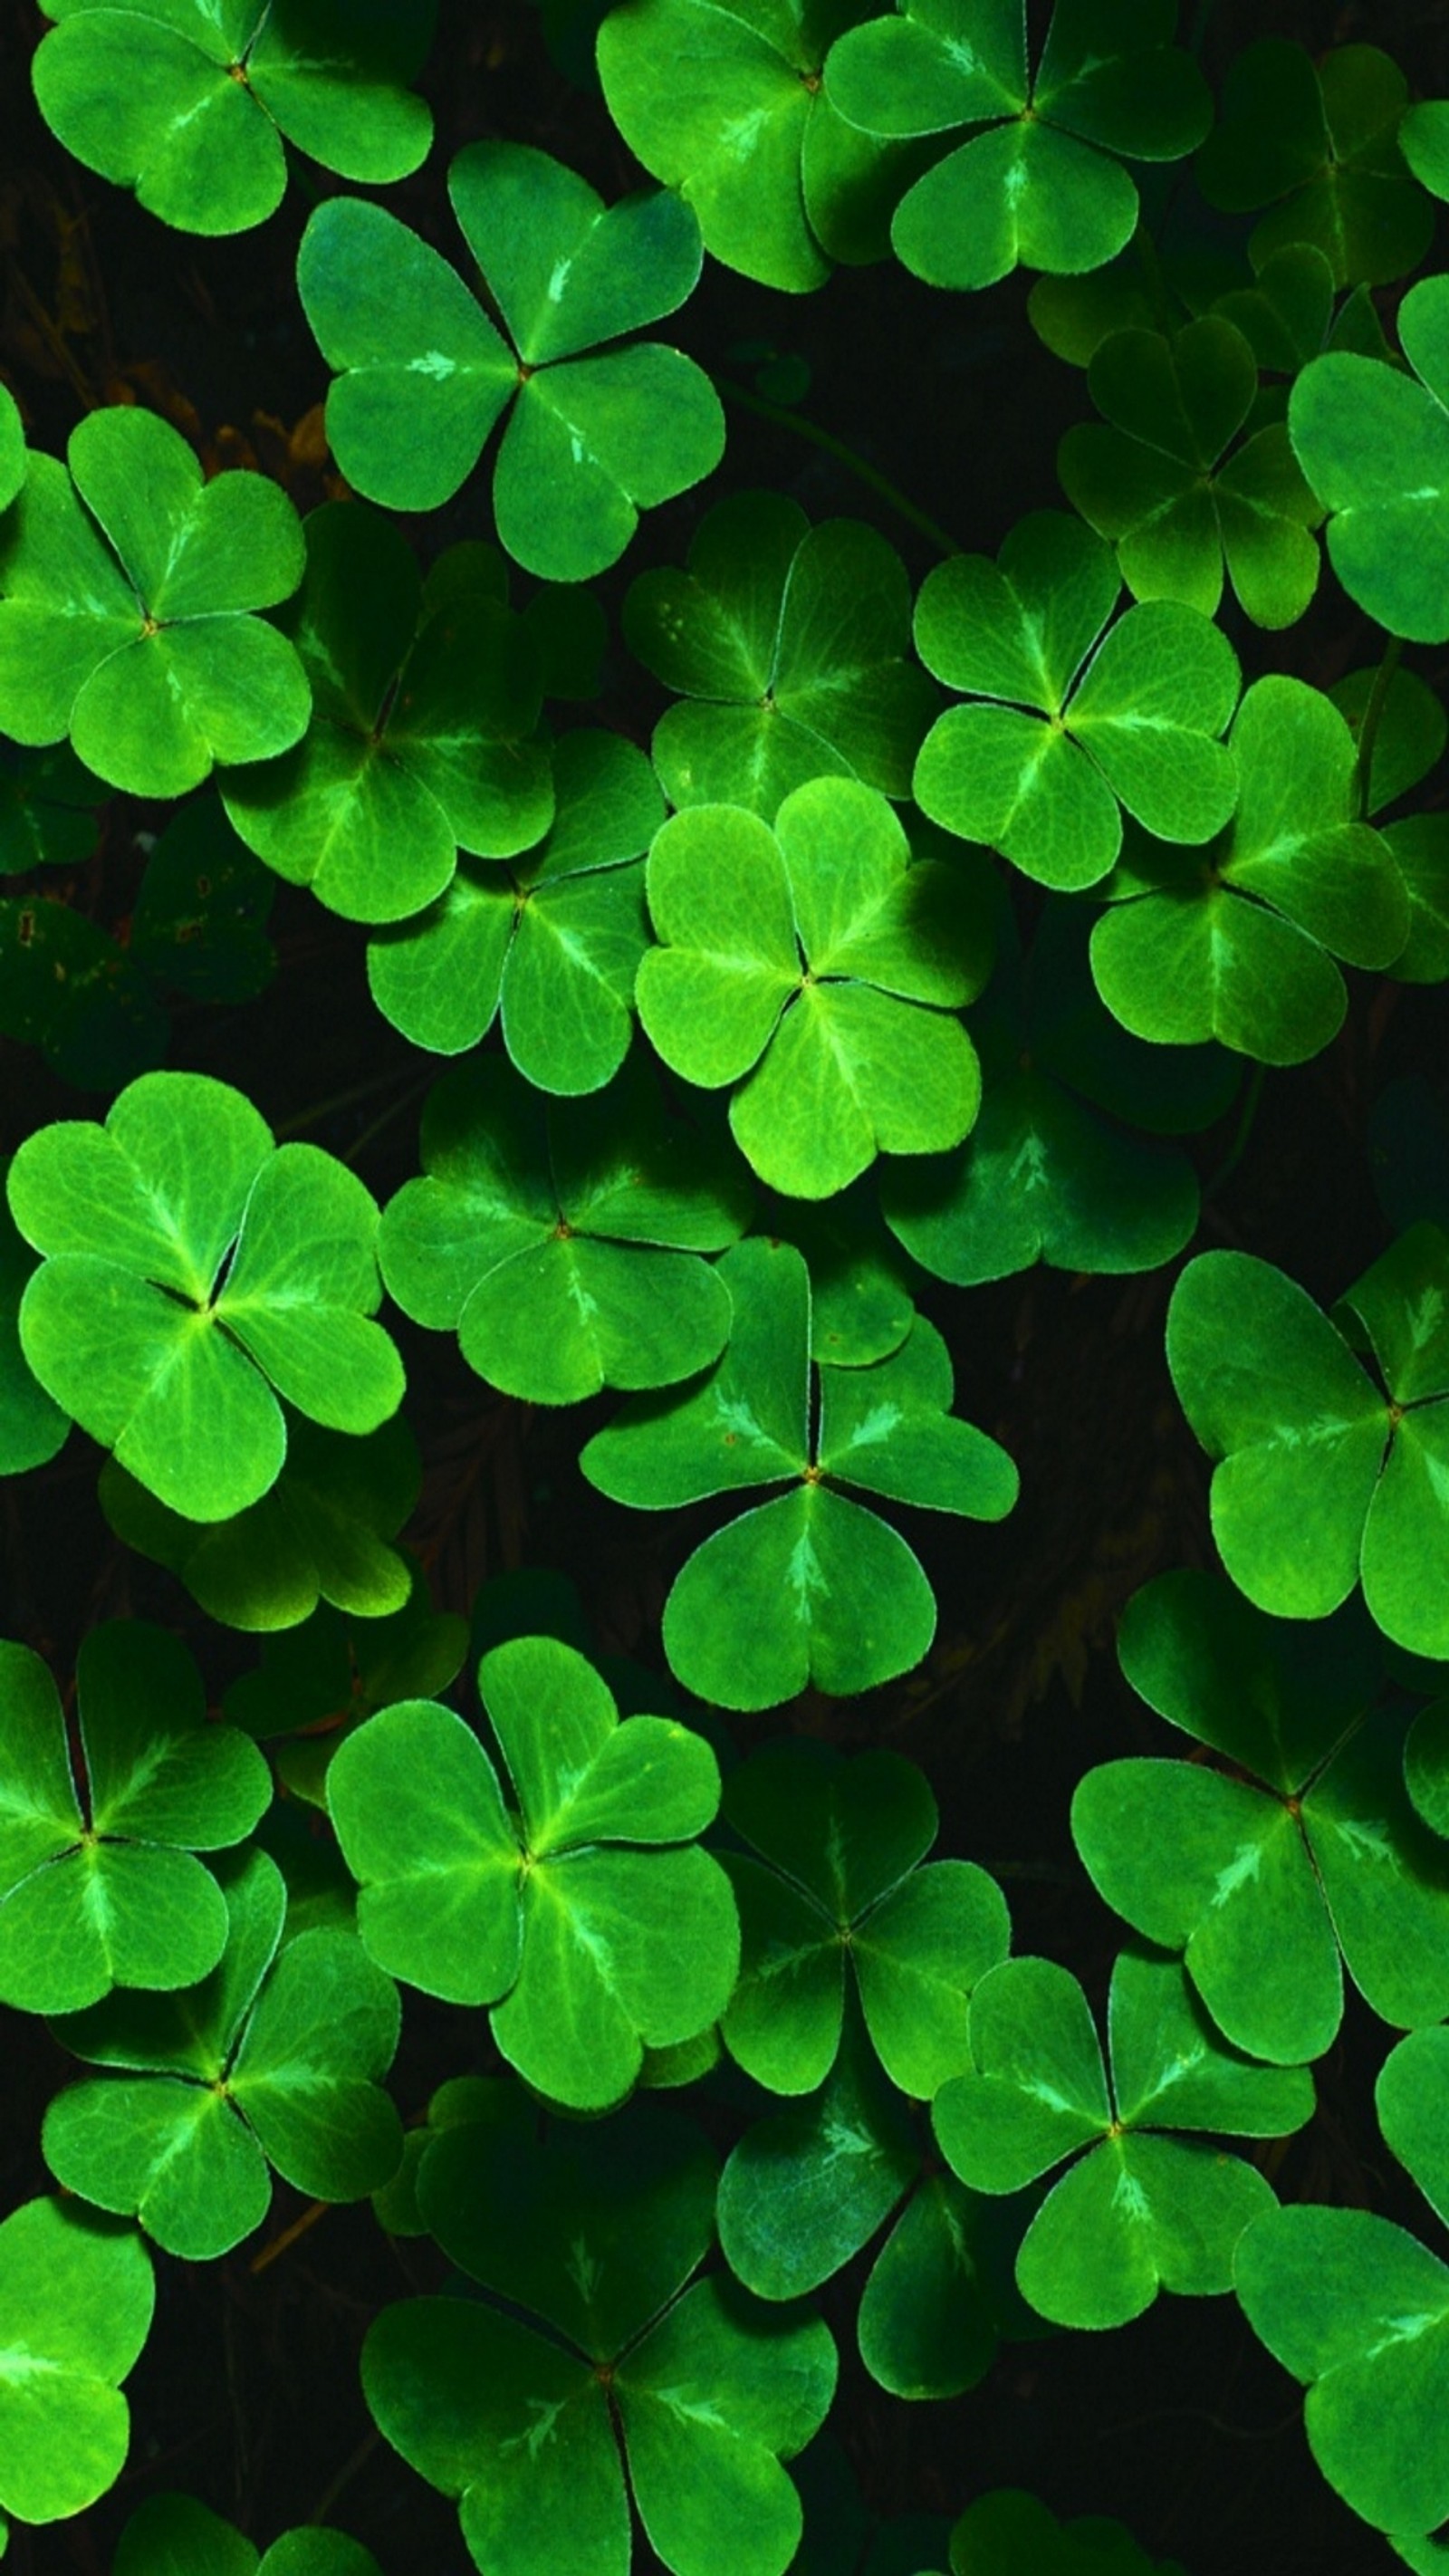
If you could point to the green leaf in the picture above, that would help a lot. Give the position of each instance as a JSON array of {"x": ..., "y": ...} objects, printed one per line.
[
  {"x": 807, "y": 2187},
  {"x": 1010, "y": 2533},
  {"x": 565, "y": 1252},
  {"x": 171, "y": 2535},
  {"x": 110, "y": 1893},
  {"x": 187, "y": 102},
  {"x": 32, "y": 1427},
  {"x": 146, "y": 1334},
  {"x": 318, "y": 1682},
  {"x": 48, "y": 809},
  {"x": 788, "y": 646},
  {"x": 1374, "y": 443},
  {"x": 1317, "y": 142},
  {"x": 76, "y": 2297},
  {"x": 128, "y": 624}
]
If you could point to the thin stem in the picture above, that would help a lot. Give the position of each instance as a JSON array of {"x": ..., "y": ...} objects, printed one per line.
[
  {"x": 1368, "y": 731},
  {"x": 846, "y": 456},
  {"x": 320, "y": 1109},
  {"x": 344, "y": 2478},
  {"x": 1238, "y": 1147},
  {"x": 393, "y": 1110}
]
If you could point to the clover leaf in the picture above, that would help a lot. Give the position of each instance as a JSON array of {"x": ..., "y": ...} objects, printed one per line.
[
  {"x": 32, "y": 1427},
  {"x": 1409, "y": 741},
  {"x": 809, "y": 968},
  {"x": 1374, "y": 443},
  {"x": 861, "y": 1307},
  {"x": 1158, "y": 482},
  {"x": 788, "y": 644},
  {"x": 424, "y": 698},
  {"x": 174, "y": 2535},
  {"x": 318, "y": 1682},
  {"x": 592, "y": 438},
  {"x": 564, "y": 1244},
  {"x": 99, "y": 1883},
  {"x": 195, "y": 1272},
  {"x": 1062, "y": 735},
  {"x": 1140, "y": 2211},
  {"x": 1317, "y": 143},
  {"x": 14, "y": 462},
  {"x": 275, "y": 2061},
  {"x": 1042, "y": 183},
  {"x": 76, "y": 2296},
  {"x": 127, "y": 622},
  {"x": 808, "y": 1587},
  {"x": 188, "y": 101},
  {"x": 48, "y": 809},
  {"x": 586, "y": 1942},
  {"x": 1011, "y": 2533},
  {"x": 551, "y": 944},
  {"x": 807, "y": 2187},
  {"x": 1308, "y": 1848},
  {"x": 522, "y": 2412},
  {"x": 835, "y": 1876},
  {"x": 1324, "y": 1480},
  {"x": 1237, "y": 942},
  {"x": 725, "y": 104},
  {"x": 1052, "y": 1170}
]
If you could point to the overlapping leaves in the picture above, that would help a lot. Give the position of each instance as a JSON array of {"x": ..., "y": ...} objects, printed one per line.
[
  {"x": 1317, "y": 143},
  {"x": 171, "y": 2532},
  {"x": 76, "y": 2296},
  {"x": 1373, "y": 441}
]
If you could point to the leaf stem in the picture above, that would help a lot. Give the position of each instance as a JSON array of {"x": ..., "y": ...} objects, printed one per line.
[
  {"x": 846, "y": 456},
  {"x": 1368, "y": 731},
  {"x": 313, "y": 1115},
  {"x": 344, "y": 2478},
  {"x": 1238, "y": 1147}
]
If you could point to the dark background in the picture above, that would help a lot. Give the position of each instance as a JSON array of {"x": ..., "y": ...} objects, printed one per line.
[{"x": 247, "y": 2394}]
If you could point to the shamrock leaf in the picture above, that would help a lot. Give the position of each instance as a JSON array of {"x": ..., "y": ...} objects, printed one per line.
[
  {"x": 318, "y": 1682},
  {"x": 1042, "y": 182},
  {"x": 275, "y": 2060},
  {"x": 187, "y": 101},
  {"x": 523, "y": 2413},
  {"x": 807, "y": 2187},
  {"x": 322, "y": 1532},
  {"x": 48, "y": 802},
  {"x": 104, "y": 1889},
  {"x": 31, "y": 1426},
  {"x": 1159, "y": 483},
  {"x": 1237, "y": 941},
  {"x": 808, "y": 1587},
  {"x": 1374, "y": 443},
  {"x": 551, "y": 944},
  {"x": 1323, "y": 1479},
  {"x": 76, "y": 2296},
  {"x": 195, "y": 1272},
  {"x": 423, "y": 701},
  {"x": 835, "y": 1876},
  {"x": 173, "y": 2535},
  {"x": 1317, "y": 143},
  {"x": 1139, "y": 2212},
  {"x": 1052, "y": 1171},
  {"x": 127, "y": 623},
  {"x": 807, "y": 967},
  {"x": 592, "y": 439},
  {"x": 861, "y": 1307},
  {"x": 1307, "y": 1848},
  {"x": 563, "y": 1245},
  {"x": 725, "y": 104},
  {"x": 788, "y": 644},
  {"x": 1010, "y": 2533},
  {"x": 1063, "y": 735},
  {"x": 587, "y": 1943}
]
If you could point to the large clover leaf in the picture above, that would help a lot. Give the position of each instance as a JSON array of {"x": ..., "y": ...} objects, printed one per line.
[
  {"x": 76, "y": 2297},
  {"x": 194, "y": 1273},
  {"x": 725, "y": 104},
  {"x": 274, "y": 2061},
  {"x": 835, "y": 1876},
  {"x": 575, "y": 1920},
  {"x": 1237, "y": 942},
  {"x": 1374, "y": 443},
  {"x": 1307, "y": 1848},
  {"x": 551, "y": 945},
  {"x": 171, "y": 2533},
  {"x": 1043, "y": 183},
  {"x": 564, "y": 1244},
  {"x": 32, "y": 1427},
  {"x": 1318, "y": 144},
  {"x": 1139, "y": 2212},
  {"x": 788, "y": 644},
  {"x": 1052, "y": 1170},
  {"x": 1063, "y": 736},
  {"x": 103, "y": 1888},
  {"x": 808, "y": 1587},
  {"x": 187, "y": 101},
  {"x": 592, "y": 439},
  {"x": 808, "y": 967},
  {"x": 1159, "y": 483},
  {"x": 423, "y": 702},
  {"x": 1324, "y": 1480},
  {"x": 522, "y": 2414},
  {"x": 127, "y": 623}
]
